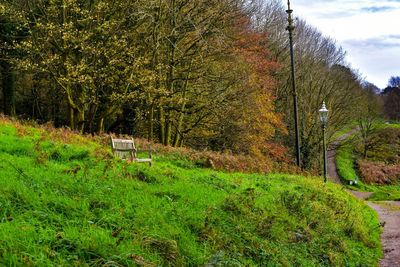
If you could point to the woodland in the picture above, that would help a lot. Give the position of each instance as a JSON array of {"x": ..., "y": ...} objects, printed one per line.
[
  {"x": 206, "y": 83},
  {"x": 205, "y": 74}
]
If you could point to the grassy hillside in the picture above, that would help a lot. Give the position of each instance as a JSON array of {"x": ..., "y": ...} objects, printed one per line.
[
  {"x": 65, "y": 201},
  {"x": 346, "y": 162}
]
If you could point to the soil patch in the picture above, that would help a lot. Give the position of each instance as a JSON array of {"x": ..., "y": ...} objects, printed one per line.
[{"x": 389, "y": 216}]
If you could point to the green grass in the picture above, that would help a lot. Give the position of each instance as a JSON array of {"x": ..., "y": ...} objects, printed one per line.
[
  {"x": 344, "y": 130},
  {"x": 388, "y": 192},
  {"x": 71, "y": 205},
  {"x": 390, "y": 125},
  {"x": 345, "y": 163}
]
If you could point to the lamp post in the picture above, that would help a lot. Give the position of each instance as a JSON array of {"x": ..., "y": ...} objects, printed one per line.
[
  {"x": 323, "y": 116},
  {"x": 290, "y": 29}
]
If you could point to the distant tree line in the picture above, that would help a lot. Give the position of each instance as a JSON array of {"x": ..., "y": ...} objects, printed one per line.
[
  {"x": 202, "y": 73},
  {"x": 391, "y": 97}
]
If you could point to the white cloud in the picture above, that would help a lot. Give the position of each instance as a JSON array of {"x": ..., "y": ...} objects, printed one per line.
[
  {"x": 368, "y": 30},
  {"x": 381, "y": 42}
]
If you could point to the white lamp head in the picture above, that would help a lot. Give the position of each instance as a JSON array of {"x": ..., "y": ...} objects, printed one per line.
[{"x": 323, "y": 114}]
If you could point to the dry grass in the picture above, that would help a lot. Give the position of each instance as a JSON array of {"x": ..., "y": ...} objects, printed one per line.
[
  {"x": 378, "y": 173},
  {"x": 208, "y": 159},
  {"x": 223, "y": 161}
]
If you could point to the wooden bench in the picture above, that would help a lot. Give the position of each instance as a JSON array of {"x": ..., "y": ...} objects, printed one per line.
[{"x": 125, "y": 149}]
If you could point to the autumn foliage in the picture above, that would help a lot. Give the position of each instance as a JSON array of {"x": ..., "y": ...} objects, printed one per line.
[
  {"x": 209, "y": 75},
  {"x": 180, "y": 73},
  {"x": 223, "y": 161},
  {"x": 378, "y": 173}
]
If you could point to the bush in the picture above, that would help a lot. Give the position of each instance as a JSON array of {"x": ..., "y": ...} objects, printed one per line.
[
  {"x": 221, "y": 161},
  {"x": 378, "y": 173}
]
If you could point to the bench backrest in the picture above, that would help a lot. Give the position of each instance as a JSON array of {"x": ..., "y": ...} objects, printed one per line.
[{"x": 124, "y": 148}]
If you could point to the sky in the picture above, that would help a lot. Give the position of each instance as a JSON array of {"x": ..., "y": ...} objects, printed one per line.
[{"x": 368, "y": 30}]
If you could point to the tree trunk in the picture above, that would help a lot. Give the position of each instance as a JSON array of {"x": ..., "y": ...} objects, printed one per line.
[
  {"x": 90, "y": 118},
  {"x": 161, "y": 118},
  {"x": 181, "y": 142},
  {"x": 170, "y": 73},
  {"x": 71, "y": 117},
  {"x": 8, "y": 76},
  {"x": 80, "y": 123},
  {"x": 178, "y": 133},
  {"x": 151, "y": 123},
  {"x": 179, "y": 127},
  {"x": 100, "y": 126},
  {"x": 168, "y": 129}
]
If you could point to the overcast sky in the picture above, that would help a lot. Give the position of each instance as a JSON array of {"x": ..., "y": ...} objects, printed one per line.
[{"x": 368, "y": 30}]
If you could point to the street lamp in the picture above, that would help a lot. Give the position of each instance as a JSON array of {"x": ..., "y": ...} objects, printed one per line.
[
  {"x": 323, "y": 116},
  {"x": 290, "y": 28}
]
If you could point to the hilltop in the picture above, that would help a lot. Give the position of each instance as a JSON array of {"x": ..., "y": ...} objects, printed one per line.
[{"x": 64, "y": 200}]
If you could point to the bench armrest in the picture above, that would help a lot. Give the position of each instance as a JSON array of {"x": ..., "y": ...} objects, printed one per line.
[{"x": 150, "y": 150}]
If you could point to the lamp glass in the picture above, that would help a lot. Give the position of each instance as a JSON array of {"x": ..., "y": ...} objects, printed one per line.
[{"x": 323, "y": 114}]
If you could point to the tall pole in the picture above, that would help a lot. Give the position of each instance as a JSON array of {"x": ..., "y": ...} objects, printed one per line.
[
  {"x": 290, "y": 29},
  {"x": 325, "y": 160}
]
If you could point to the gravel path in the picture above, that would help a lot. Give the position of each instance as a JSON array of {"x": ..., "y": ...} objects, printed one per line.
[{"x": 388, "y": 211}]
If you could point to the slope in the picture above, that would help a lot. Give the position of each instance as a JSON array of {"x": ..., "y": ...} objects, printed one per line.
[{"x": 64, "y": 200}]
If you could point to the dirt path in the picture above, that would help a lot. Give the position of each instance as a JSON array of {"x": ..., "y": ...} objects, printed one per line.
[
  {"x": 388, "y": 211},
  {"x": 389, "y": 215},
  {"x": 333, "y": 176}
]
